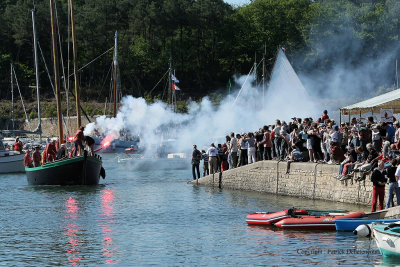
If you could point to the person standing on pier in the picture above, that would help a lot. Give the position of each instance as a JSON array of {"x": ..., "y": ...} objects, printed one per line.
[
  {"x": 393, "y": 184},
  {"x": 378, "y": 178},
  {"x": 212, "y": 153},
  {"x": 251, "y": 148},
  {"x": 196, "y": 157},
  {"x": 267, "y": 144},
  {"x": 204, "y": 157},
  {"x": 234, "y": 150}
]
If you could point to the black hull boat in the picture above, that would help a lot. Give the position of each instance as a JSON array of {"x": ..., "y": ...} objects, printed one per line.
[{"x": 82, "y": 170}]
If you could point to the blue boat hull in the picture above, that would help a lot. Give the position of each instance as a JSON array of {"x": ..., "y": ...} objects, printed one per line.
[{"x": 352, "y": 224}]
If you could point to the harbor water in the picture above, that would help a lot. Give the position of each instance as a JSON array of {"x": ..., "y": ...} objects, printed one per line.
[{"x": 151, "y": 216}]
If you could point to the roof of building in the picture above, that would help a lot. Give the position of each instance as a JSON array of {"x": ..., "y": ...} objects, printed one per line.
[{"x": 387, "y": 100}]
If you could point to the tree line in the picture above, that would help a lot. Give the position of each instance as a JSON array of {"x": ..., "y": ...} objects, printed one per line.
[{"x": 209, "y": 41}]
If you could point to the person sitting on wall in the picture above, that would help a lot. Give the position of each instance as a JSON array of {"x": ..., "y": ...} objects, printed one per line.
[{"x": 337, "y": 154}]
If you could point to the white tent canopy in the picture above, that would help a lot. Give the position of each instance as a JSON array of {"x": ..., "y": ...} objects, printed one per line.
[{"x": 389, "y": 100}]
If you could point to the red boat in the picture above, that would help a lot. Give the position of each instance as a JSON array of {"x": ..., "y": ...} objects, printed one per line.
[
  {"x": 268, "y": 218},
  {"x": 315, "y": 222}
]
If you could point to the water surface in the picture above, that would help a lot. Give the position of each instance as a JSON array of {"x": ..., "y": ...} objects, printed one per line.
[{"x": 151, "y": 216}]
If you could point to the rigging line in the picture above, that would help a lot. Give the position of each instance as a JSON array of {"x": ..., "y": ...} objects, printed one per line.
[
  {"x": 165, "y": 88},
  {"x": 158, "y": 82},
  {"x": 51, "y": 83},
  {"x": 68, "y": 55},
  {"x": 22, "y": 100},
  {"x": 105, "y": 79},
  {"x": 62, "y": 64},
  {"x": 251, "y": 70},
  {"x": 47, "y": 70},
  {"x": 60, "y": 44},
  {"x": 256, "y": 69},
  {"x": 93, "y": 60}
]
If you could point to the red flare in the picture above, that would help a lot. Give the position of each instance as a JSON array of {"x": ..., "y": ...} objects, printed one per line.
[{"x": 106, "y": 141}]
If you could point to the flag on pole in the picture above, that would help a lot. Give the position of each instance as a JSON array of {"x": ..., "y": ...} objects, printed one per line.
[
  {"x": 174, "y": 87},
  {"x": 174, "y": 78}
]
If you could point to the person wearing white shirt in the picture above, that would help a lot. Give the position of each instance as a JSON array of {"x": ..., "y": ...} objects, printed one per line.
[{"x": 212, "y": 153}]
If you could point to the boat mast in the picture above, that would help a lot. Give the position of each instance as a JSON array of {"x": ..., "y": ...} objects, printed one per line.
[
  {"x": 74, "y": 51},
  {"x": 115, "y": 74},
  {"x": 12, "y": 96},
  {"x": 170, "y": 81},
  {"x": 255, "y": 68},
  {"x": 37, "y": 72},
  {"x": 174, "y": 96},
  {"x": 56, "y": 73},
  {"x": 263, "y": 77}
]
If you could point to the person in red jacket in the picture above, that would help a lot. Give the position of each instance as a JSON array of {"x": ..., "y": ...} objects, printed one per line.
[
  {"x": 37, "y": 157},
  {"x": 78, "y": 140},
  {"x": 18, "y": 145},
  {"x": 51, "y": 151},
  {"x": 28, "y": 159},
  {"x": 325, "y": 116}
]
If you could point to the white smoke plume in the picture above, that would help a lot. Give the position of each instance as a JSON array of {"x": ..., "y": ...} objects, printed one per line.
[
  {"x": 340, "y": 68},
  {"x": 205, "y": 122}
]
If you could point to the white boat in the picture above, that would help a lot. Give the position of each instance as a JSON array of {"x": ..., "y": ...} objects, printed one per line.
[
  {"x": 10, "y": 161},
  {"x": 387, "y": 238}
]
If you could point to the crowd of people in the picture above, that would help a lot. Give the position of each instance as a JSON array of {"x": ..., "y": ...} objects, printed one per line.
[
  {"x": 360, "y": 147},
  {"x": 54, "y": 151}
]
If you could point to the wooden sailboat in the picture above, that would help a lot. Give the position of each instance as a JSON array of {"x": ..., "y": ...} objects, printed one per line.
[{"x": 81, "y": 170}]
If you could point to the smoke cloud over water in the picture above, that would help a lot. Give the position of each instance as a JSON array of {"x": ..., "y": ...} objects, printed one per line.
[
  {"x": 348, "y": 59},
  {"x": 205, "y": 123},
  {"x": 338, "y": 73}
]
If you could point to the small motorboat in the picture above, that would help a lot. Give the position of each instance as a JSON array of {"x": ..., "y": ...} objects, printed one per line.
[
  {"x": 315, "y": 222},
  {"x": 131, "y": 150},
  {"x": 350, "y": 224},
  {"x": 387, "y": 238},
  {"x": 268, "y": 218}
]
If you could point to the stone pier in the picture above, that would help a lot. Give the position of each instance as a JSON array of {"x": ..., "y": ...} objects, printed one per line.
[{"x": 308, "y": 180}]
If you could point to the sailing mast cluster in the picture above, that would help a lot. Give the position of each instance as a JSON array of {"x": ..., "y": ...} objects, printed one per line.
[{"x": 81, "y": 170}]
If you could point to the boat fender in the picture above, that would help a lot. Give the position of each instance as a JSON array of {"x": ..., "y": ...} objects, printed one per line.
[
  {"x": 103, "y": 173},
  {"x": 363, "y": 230}
]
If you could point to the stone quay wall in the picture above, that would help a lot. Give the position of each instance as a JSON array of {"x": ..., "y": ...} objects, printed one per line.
[
  {"x": 308, "y": 180},
  {"x": 50, "y": 127}
]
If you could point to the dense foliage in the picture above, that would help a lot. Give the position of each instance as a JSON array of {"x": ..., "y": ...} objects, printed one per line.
[{"x": 208, "y": 40}]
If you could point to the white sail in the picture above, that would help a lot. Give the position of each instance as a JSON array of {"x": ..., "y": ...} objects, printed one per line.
[{"x": 286, "y": 96}]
